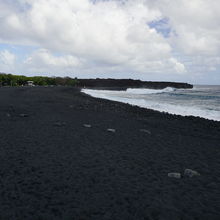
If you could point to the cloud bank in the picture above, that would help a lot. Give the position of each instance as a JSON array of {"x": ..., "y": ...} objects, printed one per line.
[{"x": 139, "y": 38}]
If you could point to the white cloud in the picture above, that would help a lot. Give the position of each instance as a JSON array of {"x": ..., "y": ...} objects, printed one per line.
[
  {"x": 7, "y": 58},
  {"x": 114, "y": 36},
  {"x": 40, "y": 60},
  {"x": 7, "y": 61},
  {"x": 109, "y": 32},
  {"x": 44, "y": 58},
  {"x": 179, "y": 67},
  {"x": 196, "y": 24}
]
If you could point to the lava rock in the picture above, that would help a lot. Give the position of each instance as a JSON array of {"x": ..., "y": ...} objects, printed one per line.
[
  {"x": 191, "y": 173},
  {"x": 23, "y": 115},
  {"x": 111, "y": 130},
  {"x": 174, "y": 175},
  {"x": 59, "y": 124},
  {"x": 145, "y": 131}
]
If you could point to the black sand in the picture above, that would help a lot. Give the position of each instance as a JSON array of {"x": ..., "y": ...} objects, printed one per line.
[{"x": 52, "y": 167}]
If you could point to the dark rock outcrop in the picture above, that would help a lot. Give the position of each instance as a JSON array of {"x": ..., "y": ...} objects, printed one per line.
[{"x": 123, "y": 84}]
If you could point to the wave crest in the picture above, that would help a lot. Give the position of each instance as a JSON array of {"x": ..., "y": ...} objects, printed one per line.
[{"x": 142, "y": 91}]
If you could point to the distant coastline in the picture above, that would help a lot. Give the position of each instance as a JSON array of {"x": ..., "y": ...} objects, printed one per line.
[
  {"x": 123, "y": 84},
  {"x": 110, "y": 84}
]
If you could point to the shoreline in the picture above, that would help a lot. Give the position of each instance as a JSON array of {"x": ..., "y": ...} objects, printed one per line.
[
  {"x": 133, "y": 102},
  {"x": 60, "y": 160}
]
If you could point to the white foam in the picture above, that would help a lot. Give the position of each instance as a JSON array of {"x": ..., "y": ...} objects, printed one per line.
[
  {"x": 129, "y": 91},
  {"x": 149, "y": 91},
  {"x": 129, "y": 96}
]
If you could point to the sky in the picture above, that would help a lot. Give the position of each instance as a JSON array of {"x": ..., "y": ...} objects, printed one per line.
[{"x": 161, "y": 40}]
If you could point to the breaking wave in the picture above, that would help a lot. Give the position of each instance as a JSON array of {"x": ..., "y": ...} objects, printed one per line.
[{"x": 150, "y": 91}]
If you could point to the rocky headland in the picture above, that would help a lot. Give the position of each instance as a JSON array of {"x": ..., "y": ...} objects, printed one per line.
[{"x": 123, "y": 84}]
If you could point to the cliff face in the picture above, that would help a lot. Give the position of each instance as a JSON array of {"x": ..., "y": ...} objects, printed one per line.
[{"x": 123, "y": 84}]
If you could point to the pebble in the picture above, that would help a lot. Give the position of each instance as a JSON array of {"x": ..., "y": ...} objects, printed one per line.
[
  {"x": 87, "y": 126},
  {"x": 174, "y": 175},
  {"x": 59, "y": 124},
  {"x": 145, "y": 131},
  {"x": 23, "y": 115},
  {"x": 111, "y": 130}
]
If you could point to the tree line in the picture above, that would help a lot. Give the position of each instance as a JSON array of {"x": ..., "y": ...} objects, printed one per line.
[{"x": 20, "y": 80}]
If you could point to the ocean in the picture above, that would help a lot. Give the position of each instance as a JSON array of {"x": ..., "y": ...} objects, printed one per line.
[{"x": 202, "y": 101}]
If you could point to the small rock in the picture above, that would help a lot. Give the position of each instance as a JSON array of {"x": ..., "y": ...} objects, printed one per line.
[
  {"x": 8, "y": 115},
  {"x": 174, "y": 175},
  {"x": 71, "y": 106},
  {"x": 111, "y": 130},
  {"x": 59, "y": 124},
  {"x": 87, "y": 126},
  {"x": 191, "y": 173},
  {"x": 145, "y": 131},
  {"x": 23, "y": 115}
]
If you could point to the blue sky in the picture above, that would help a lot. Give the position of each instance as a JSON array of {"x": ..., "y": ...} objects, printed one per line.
[
  {"x": 161, "y": 26},
  {"x": 21, "y": 51},
  {"x": 141, "y": 39}
]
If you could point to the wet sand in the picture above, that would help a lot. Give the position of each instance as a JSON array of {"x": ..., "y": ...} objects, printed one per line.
[{"x": 52, "y": 166}]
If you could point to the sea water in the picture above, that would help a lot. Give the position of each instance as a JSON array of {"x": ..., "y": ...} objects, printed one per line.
[{"x": 202, "y": 101}]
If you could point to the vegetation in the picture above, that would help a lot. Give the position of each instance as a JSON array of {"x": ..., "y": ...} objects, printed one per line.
[{"x": 19, "y": 80}]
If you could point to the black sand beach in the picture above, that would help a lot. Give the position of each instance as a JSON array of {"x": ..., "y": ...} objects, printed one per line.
[{"x": 53, "y": 167}]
